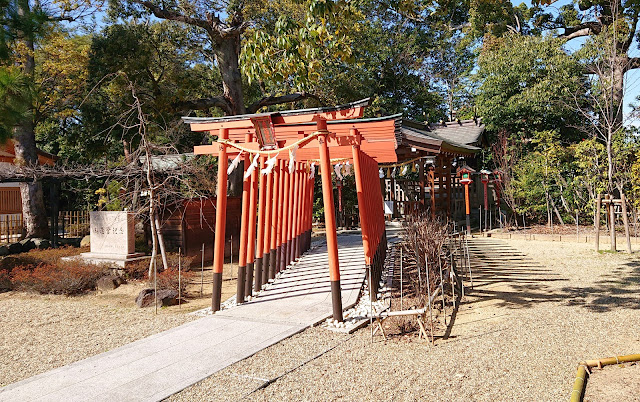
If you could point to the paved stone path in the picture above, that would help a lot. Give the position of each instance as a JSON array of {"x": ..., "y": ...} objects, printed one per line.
[{"x": 156, "y": 367}]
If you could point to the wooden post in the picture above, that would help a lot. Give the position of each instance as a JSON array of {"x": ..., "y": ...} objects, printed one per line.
[
  {"x": 257, "y": 269},
  {"x": 253, "y": 201},
  {"x": 421, "y": 183},
  {"x": 280, "y": 206},
  {"x": 467, "y": 207},
  {"x": 432, "y": 191},
  {"x": 285, "y": 218},
  {"x": 244, "y": 229},
  {"x": 612, "y": 222},
  {"x": 330, "y": 221},
  {"x": 221, "y": 217},
  {"x": 363, "y": 208},
  {"x": 287, "y": 251},
  {"x": 625, "y": 220},
  {"x": 301, "y": 209},
  {"x": 266, "y": 247},
  {"x": 294, "y": 213},
  {"x": 275, "y": 207},
  {"x": 596, "y": 220}
]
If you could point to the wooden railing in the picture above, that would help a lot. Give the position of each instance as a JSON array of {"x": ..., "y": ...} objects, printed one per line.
[{"x": 10, "y": 228}]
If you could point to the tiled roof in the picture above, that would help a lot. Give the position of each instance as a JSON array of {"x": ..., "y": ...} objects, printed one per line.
[
  {"x": 466, "y": 132},
  {"x": 411, "y": 132}
]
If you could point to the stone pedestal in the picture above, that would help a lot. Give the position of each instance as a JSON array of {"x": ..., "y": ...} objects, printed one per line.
[{"x": 112, "y": 239}]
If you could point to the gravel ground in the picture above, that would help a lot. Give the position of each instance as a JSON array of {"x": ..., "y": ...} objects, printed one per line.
[
  {"x": 537, "y": 309},
  {"x": 40, "y": 333}
]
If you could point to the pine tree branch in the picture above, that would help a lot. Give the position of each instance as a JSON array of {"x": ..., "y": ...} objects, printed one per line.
[
  {"x": 278, "y": 100},
  {"x": 204, "y": 104}
]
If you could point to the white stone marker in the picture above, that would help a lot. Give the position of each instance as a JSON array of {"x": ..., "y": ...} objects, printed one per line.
[{"x": 113, "y": 238}]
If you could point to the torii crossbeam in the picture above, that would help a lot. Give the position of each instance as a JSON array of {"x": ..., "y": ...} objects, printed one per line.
[{"x": 282, "y": 193}]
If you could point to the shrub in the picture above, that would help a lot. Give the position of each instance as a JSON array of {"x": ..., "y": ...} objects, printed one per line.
[
  {"x": 140, "y": 269},
  {"x": 62, "y": 278},
  {"x": 5, "y": 281},
  {"x": 168, "y": 279},
  {"x": 35, "y": 257}
]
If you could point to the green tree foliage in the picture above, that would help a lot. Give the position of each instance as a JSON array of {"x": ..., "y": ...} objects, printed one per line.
[
  {"x": 529, "y": 84},
  {"x": 14, "y": 100}
]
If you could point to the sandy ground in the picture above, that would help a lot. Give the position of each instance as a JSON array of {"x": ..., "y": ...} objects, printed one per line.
[
  {"x": 39, "y": 333},
  {"x": 537, "y": 309},
  {"x": 614, "y": 383}
]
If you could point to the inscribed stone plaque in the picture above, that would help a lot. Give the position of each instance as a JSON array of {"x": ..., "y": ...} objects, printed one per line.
[{"x": 112, "y": 232}]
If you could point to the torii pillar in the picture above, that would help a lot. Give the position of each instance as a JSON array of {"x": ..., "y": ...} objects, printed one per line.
[
  {"x": 330, "y": 221},
  {"x": 221, "y": 218}
]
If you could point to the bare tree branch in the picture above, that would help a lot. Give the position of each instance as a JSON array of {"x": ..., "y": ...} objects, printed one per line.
[
  {"x": 162, "y": 13},
  {"x": 584, "y": 29}
]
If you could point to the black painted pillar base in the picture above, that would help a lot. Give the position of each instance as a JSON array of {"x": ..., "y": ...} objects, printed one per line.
[
  {"x": 373, "y": 290},
  {"x": 278, "y": 259},
  {"x": 292, "y": 250},
  {"x": 336, "y": 300},
  {"x": 242, "y": 273},
  {"x": 257, "y": 275},
  {"x": 283, "y": 258},
  {"x": 287, "y": 253},
  {"x": 272, "y": 263},
  {"x": 297, "y": 252},
  {"x": 266, "y": 260},
  {"x": 217, "y": 292},
  {"x": 248, "y": 285}
]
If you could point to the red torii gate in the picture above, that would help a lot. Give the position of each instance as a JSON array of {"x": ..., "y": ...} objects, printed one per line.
[{"x": 280, "y": 231}]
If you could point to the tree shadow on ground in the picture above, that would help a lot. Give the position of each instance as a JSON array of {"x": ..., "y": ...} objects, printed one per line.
[
  {"x": 619, "y": 288},
  {"x": 509, "y": 278}
]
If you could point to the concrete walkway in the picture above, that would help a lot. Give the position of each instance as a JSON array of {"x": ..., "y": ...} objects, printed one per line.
[{"x": 156, "y": 367}]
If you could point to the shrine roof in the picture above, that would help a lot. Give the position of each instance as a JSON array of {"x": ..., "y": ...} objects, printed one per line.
[
  {"x": 332, "y": 111},
  {"x": 420, "y": 135},
  {"x": 8, "y": 154},
  {"x": 465, "y": 132}
]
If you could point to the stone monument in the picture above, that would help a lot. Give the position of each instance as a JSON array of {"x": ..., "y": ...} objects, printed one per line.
[{"x": 113, "y": 238}]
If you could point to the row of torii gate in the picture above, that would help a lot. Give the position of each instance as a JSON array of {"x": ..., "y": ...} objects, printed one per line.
[{"x": 280, "y": 151}]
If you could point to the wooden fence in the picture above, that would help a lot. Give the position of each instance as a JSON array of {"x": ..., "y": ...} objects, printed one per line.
[
  {"x": 73, "y": 223},
  {"x": 10, "y": 228},
  {"x": 10, "y": 200}
]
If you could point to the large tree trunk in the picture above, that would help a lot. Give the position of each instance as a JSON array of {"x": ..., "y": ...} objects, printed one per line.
[
  {"x": 227, "y": 53},
  {"x": 33, "y": 210}
]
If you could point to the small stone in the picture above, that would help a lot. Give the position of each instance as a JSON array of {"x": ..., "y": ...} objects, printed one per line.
[
  {"x": 4, "y": 250},
  {"x": 107, "y": 283},
  {"x": 15, "y": 248},
  {"x": 166, "y": 297},
  {"x": 27, "y": 244},
  {"x": 86, "y": 241},
  {"x": 41, "y": 244}
]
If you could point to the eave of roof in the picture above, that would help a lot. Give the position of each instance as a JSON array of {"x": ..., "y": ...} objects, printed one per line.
[
  {"x": 327, "y": 109},
  {"x": 415, "y": 136}
]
